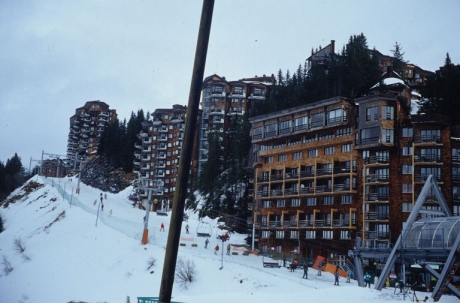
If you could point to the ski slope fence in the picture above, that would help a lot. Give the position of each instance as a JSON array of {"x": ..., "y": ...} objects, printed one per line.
[{"x": 127, "y": 227}]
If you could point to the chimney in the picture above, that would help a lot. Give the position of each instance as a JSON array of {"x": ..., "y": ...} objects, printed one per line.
[{"x": 333, "y": 46}]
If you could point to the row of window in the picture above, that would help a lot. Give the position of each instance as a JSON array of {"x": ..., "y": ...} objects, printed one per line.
[
  {"x": 300, "y": 124},
  {"x": 312, "y": 153},
  {"x": 309, "y": 234},
  {"x": 296, "y": 202}
]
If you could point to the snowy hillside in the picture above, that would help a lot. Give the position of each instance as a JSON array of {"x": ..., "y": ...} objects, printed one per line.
[{"x": 72, "y": 253}]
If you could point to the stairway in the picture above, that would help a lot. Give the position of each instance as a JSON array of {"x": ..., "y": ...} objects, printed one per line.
[{"x": 446, "y": 281}]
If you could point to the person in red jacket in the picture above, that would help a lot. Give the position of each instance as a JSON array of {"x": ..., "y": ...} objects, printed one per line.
[
  {"x": 216, "y": 249},
  {"x": 162, "y": 227}
]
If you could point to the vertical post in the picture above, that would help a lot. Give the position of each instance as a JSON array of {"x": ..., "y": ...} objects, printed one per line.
[
  {"x": 222, "y": 259},
  {"x": 97, "y": 216},
  {"x": 79, "y": 177},
  {"x": 145, "y": 234},
  {"x": 41, "y": 165},
  {"x": 172, "y": 246}
]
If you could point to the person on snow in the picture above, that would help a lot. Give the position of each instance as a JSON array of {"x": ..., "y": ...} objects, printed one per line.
[
  {"x": 367, "y": 280},
  {"x": 206, "y": 243},
  {"x": 336, "y": 276},
  {"x": 216, "y": 249},
  {"x": 162, "y": 227},
  {"x": 305, "y": 271},
  {"x": 102, "y": 206},
  {"x": 293, "y": 265},
  {"x": 186, "y": 228},
  {"x": 228, "y": 249},
  {"x": 348, "y": 276}
]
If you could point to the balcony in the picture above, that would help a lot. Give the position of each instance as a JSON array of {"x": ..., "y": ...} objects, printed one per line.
[
  {"x": 422, "y": 177},
  {"x": 161, "y": 156},
  {"x": 136, "y": 162},
  {"x": 163, "y": 138},
  {"x": 138, "y": 146},
  {"x": 291, "y": 191},
  {"x": 341, "y": 187},
  {"x": 104, "y": 114},
  {"x": 146, "y": 157},
  {"x": 163, "y": 129},
  {"x": 146, "y": 149},
  {"x": 157, "y": 122},
  {"x": 428, "y": 159},
  {"x": 162, "y": 147},
  {"x": 216, "y": 111},
  {"x": 375, "y": 197},
  {"x": 377, "y": 178},
  {"x": 376, "y": 216},
  {"x": 322, "y": 189},
  {"x": 427, "y": 139},
  {"x": 377, "y": 160}
]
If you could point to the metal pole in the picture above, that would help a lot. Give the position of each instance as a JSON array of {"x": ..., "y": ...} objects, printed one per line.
[
  {"x": 253, "y": 235},
  {"x": 79, "y": 177},
  {"x": 145, "y": 234},
  {"x": 222, "y": 258},
  {"x": 172, "y": 246},
  {"x": 41, "y": 164},
  {"x": 97, "y": 216}
]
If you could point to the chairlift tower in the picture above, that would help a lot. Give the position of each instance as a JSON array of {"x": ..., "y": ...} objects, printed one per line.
[{"x": 149, "y": 186}]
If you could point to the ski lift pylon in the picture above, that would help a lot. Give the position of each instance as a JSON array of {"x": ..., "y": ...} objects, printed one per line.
[{"x": 203, "y": 229}]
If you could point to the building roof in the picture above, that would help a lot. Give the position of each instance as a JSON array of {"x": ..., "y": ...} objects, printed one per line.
[{"x": 435, "y": 233}]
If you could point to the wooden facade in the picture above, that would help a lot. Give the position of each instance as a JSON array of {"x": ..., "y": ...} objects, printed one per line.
[{"x": 333, "y": 170}]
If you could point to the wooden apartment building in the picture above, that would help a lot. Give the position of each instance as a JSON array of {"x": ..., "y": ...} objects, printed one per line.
[{"x": 330, "y": 171}]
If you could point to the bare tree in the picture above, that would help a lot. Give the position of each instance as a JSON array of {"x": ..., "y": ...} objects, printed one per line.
[{"x": 185, "y": 271}]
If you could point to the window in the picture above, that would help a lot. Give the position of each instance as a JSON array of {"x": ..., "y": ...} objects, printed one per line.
[
  {"x": 285, "y": 127},
  {"x": 294, "y": 234},
  {"x": 407, "y": 150},
  {"x": 295, "y": 202},
  {"x": 310, "y": 234},
  {"x": 280, "y": 203},
  {"x": 312, "y": 153},
  {"x": 343, "y": 132},
  {"x": 271, "y": 130},
  {"x": 407, "y": 132},
  {"x": 388, "y": 112},
  {"x": 456, "y": 154},
  {"x": 370, "y": 135},
  {"x": 388, "y": 135},
  {"x": 280, "y": 234},
  {"x": 407, "y": 169},
  {"x": 345, "y": 199},
  {"x": 266, "y": 234},
  {"x": 336, "y": 116},
  {"x": 310, "y": 138},
  {"x": 407, "y": 188},
  {"x": 297, "y": 155},
  {"x": 372, "y": 113},
  {"x": 328, "y": 200},
  {"x": 257, "y": 133},
  {"x": 317, "y": 120},
  {"x": 329, "y": 150},
  {"x": 346, "y": 148},
  {"x": 237, "y": 90},
  {"x": 269, "y": 160},
  {"x": 282, "y": 158},
  {"x": 257, "y": 92},
  {"x": 327, "y": 234},
  {"x": 311, "y": 201},
  {"x": 266, "y": 203},
  {"x": 345, "y": 234},
  {"x": 429, "y": 135},
  {"x": 301, "y": 123},
  {"x": 217, "y": 89},
  {"x": 407, "y": 207}
]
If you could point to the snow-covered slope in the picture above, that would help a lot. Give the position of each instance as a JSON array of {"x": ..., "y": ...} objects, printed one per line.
[{"x": 74, "y": 253}]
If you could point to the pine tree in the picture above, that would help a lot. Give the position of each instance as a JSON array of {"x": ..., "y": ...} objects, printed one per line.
[{"x": 398, "y": 61}]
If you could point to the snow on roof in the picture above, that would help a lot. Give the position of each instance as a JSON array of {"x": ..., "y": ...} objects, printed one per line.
[{"x": 390, "y": 81}]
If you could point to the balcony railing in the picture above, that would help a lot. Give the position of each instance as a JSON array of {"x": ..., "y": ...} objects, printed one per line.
[
  {"x": 376, "y": 159},
  {"x": 427, "y": 139},
  {"x": 377, "y": 197},
  {"x": 377, "y": 216},
  {"x": 427, "y": 158}
]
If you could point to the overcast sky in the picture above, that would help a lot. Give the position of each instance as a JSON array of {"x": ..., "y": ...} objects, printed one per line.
[{"x": 57, "y": 55}]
